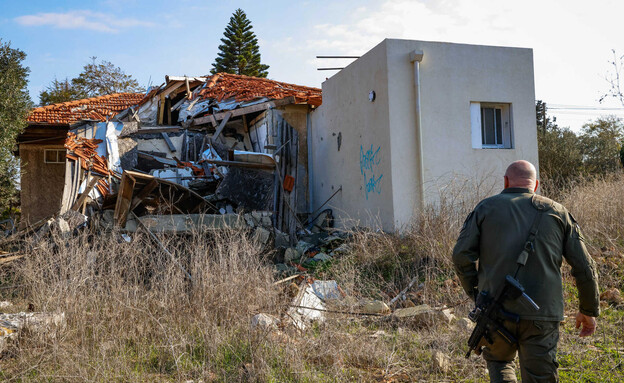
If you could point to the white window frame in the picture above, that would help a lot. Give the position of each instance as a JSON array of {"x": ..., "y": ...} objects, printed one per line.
[
  {"x": 60, "y": 156},
  {"x": 476, "y": 113}
]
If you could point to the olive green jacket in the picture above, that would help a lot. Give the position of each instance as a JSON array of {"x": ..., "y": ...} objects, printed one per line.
[{"x": 494, "y": 235}]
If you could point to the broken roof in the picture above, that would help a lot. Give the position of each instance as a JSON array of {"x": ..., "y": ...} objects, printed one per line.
[
  {"x": 96, "y": 108},
  {"x": 224, "y": 86}
]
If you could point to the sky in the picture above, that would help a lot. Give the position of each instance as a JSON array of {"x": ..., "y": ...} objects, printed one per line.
[{"x": 572, "y": 40}]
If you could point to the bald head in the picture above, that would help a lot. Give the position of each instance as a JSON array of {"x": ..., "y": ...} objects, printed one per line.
[{"x": 521, "y": 174}]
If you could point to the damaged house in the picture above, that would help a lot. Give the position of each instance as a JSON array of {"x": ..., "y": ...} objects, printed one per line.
[
  {"x": 194, "y": 146},
  {"x": 400, "y": 126}
]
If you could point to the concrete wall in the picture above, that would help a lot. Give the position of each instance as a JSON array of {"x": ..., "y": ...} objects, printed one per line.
[
  {"x": 451, "y": 77},
  {"x": 362, "y": 163},
  {"x": 41, "y": 183}
]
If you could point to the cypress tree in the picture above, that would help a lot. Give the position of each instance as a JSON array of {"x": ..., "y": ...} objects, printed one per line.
[{"x": 239, "y": 52}]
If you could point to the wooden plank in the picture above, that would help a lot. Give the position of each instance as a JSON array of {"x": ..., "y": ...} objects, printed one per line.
[
  {"x": 86, "y": 192},
  {"x": 170, "y": 144},
  {"x": 225, "y": 120},
  {"x": 161, "y": 110},
  {"x": 147, "y": 189},
  {"x": 258, "y": 118},
  {"x": 124, "y": 199},
  {"x": 245, "y": 110}
]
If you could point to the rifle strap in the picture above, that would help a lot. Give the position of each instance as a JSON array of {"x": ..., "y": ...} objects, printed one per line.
[{"x": 529, "y": 246}]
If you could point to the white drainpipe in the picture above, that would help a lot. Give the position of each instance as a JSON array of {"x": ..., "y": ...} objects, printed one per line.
[{"x": 416, "y": 58}]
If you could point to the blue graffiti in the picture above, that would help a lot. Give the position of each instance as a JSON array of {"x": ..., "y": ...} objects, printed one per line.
[
  {"x": 369, "y": 160},
  {"x": 373, "y": 185},
  {"x": 369, "y": 166}
]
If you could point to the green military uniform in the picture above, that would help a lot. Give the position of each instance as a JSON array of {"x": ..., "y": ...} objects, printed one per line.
[{"x": 487, "y": 249}]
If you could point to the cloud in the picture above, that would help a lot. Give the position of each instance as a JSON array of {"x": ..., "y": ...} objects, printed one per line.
[{"x": 86, "y": 20}]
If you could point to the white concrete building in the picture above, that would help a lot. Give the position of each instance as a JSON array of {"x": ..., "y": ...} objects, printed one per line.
[{"x": 409, "y": 118}]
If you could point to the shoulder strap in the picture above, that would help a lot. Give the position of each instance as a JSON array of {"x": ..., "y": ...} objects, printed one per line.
[{"x": 529, "y": 245}]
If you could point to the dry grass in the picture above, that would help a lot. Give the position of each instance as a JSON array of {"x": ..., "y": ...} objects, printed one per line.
[{"x": 133, "y": 316}]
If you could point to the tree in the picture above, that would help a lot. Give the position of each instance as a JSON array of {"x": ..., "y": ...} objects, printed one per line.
[
  {"x": 613, "y": 78},
  {"x": 560, "y": 157},
  {"x": 239, "y": 52},
  {"x": 601, "y": 143},
  {"x": 60, "y": 91},
  {"x": 14, "y": 106},
  {"x": 94, "y": 80}
]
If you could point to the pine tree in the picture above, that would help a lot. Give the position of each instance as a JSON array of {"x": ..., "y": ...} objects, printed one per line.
[{"x": 239, "y": 52}]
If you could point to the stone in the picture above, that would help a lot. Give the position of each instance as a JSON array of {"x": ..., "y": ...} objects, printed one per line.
[
  {"x": 302, "y": 247},
  {"x": 418, "y": 315},
  {"x": 262, "y": 235},
  {"x": 266, "y": 222},
  {"x": 612, "y": 296},
  {"x": 264, "y": 322},
  {"x": 249, "y": 220},
  {"x": 321, "y": 257},
  {"x": 375, "y": 307},
  {"x": 445, "y": 316},
  {"x": 291, "y": 254},
  {"x": 281, "y": 239},
  {"x": 465, "y": 324},
  {"x": 63, "y": 226},
  {"x": 257, "y": 216},
  {"x": 441, "y": 362}
]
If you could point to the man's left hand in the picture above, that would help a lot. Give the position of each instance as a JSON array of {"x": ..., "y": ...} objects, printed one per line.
[{"x": 589, "y": 324}]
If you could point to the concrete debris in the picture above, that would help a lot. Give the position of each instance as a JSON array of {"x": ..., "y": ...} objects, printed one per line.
[
  {"x": 441, "y": 362},
  {"x": 374, "y": 307},
  {"x": 264, "y": 322},
  {"x": 465, "y": 325},
  {"x": 445, "y": 316},
  {"x": 291, "y": 255},
  {"x": 418, "y": 316},
  {"x": 262, "y": 235},
  {"x": 306, "y": 308},
  {"x": 40, "y": 323}
]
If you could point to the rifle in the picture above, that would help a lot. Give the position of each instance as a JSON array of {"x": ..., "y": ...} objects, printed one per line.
[{"x": 488, "y": 314}]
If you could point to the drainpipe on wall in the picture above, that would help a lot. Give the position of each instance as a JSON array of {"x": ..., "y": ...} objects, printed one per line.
[{"x": 416, "y": 58}]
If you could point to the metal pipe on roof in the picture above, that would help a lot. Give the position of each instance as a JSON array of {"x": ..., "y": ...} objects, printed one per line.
[
  {"x": 330, "y": 68},
  {"x": 416, "y": 57}
]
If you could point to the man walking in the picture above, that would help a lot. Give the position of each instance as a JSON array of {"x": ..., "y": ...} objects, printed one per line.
[{"x": 493, "y": 236}]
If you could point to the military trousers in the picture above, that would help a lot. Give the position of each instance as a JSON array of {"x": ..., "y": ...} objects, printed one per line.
[{"x": 536, "y": 349}]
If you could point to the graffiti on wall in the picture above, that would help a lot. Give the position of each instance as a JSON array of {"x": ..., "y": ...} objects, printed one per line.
[{"x": 370, "y": 169}]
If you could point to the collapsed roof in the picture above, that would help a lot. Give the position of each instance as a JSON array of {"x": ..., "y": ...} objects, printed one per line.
[{"x": 222, "y": 142}]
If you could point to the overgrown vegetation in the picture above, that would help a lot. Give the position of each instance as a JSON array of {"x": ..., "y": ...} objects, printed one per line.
[
  {"x": 133, "y": 316},
  {"x": 14, "y": 105},
  {"x": 566, "y": 157},
  {"x": 96, "y": 79}
]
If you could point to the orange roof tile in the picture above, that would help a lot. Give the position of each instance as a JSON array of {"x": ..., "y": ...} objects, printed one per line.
[
  {"x": 95, "y": 108},
  {"x": 224, "y": 86}
]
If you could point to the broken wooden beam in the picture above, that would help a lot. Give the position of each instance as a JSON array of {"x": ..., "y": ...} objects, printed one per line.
[
  {"x": 85, "y": 193},
  {"x": 170, "y": 144},
  {"x": 244, "y": 110}
]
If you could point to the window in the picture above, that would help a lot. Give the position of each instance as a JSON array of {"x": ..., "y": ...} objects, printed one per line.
[
  {"x": 54, "y": 156},
  {"x": 491, "y": 125}
]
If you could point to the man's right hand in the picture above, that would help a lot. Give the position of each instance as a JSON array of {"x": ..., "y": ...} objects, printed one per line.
[{"x": 588, "y": 323}]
